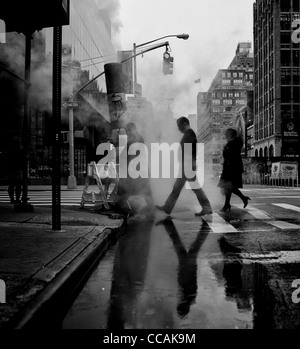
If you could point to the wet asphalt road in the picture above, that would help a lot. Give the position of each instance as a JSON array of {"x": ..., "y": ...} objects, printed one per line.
[{"x": 225, "y": 271}]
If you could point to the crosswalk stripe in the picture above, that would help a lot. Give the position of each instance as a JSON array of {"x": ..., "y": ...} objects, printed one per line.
[
  {"x": 218, "y": 225},
  {"x": 284, "y": 225},
  {"x": 288, "y": 207},
  {"x": 259, "y": 214}
]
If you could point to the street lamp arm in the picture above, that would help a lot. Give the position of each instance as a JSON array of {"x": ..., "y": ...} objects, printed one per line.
[
  {"x": 179, "y": 36},
  {"x": 166, "y": 43}
]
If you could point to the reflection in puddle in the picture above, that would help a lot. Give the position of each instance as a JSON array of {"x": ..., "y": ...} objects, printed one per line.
[{"x": 162, "y": 277}]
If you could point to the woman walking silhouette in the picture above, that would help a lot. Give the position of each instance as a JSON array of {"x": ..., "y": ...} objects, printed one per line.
[{"x": 231, "y": 177}]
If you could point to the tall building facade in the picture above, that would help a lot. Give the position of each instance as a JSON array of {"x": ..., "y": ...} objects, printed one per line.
[
  {"x": 193, "y": 121},
  {"x": 277, "y": 79},
  {"x": 87, "y": 39},
  {"x": 219, "y": 106},
  {"x": 86, "y": 47}
]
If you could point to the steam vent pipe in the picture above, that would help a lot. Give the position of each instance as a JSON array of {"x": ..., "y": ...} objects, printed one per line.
[{"x": 115, "y": 91}]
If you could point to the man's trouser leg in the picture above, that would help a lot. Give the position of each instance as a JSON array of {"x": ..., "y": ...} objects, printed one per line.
[
  {"x": 18, "y": 190},
  {"x": 202, "y": 198},
  {"x": 171, "y": 201},
  {"x": 11, "y": 190}
]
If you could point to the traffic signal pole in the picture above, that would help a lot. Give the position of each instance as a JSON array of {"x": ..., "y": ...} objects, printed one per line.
[{"x": 56, "y": 107}]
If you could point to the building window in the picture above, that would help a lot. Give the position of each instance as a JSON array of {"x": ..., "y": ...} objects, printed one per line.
[
  {"x": 296, "y": 5},
  {"x": 229, "y": 75},
  {"x": 286, "y": 111},
  {"x": 237, "y": 82},
  {"x": 285, "y": 76},
  {"x": 296, "y": 94},
  {"x": 216, "y": 101},
  {"x": 296, "y": 58},
  {"x": 227, "y": 101},
  {"x": 286, "y": 94},
  {"x": 285, "y": 21},
  {"x": 226, "y": 82},
  {"x": 285, "y": 58},
  {"x": 296, "y": 110},
  {"x": 285, "y": 5},
  {"x": 223, "y": 75},
  {"x": 224, "y": 94},
  {"x": 234, "y": 75},
  {"x": 285, "y": 39}
]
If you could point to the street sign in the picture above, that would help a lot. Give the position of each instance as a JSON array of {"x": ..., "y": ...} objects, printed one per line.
[{"x": 73, "y": 105}]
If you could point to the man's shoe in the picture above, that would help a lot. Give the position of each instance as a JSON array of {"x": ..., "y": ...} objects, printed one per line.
[
  {"x": 163, "y": 208},
  {"x": 204, "y": 212}
]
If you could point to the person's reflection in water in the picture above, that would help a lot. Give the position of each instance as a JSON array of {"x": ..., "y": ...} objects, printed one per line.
[
  {"x": 130, "y": 265},
  {"x": 232, "y": 273},
  {"x": 187, "y": 268}
]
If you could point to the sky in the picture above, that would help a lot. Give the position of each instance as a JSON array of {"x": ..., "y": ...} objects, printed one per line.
[{"x": 215, "y": 27}]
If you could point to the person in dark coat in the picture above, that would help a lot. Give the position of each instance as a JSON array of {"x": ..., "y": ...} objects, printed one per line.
[
  {"x": 231, "y": 177},
  {"x": 15, "y": 161},
  {"x": 189, "y": 137}
]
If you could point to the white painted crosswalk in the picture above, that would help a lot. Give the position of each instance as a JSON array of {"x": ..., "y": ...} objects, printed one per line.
[
  {"x": 44, "y": 198},
  {"x": 219, "y": 225},
  {"x": 252, "y": 219},
  {"x": 289, "y": 207}
]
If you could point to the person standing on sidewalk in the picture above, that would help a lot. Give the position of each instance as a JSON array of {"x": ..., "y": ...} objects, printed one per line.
[
  {"x": 189, "y": 137},
  {"x": 14, "y": 161}
]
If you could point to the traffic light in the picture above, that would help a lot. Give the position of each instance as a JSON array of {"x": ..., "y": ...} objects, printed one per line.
[{"x": 167, "y": 63}]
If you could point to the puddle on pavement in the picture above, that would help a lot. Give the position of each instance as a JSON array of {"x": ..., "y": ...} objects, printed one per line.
[{"x": 220, "y": 293}]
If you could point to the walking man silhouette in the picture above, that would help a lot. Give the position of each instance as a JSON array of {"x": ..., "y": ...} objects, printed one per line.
[{"x": 189, "y": 136}]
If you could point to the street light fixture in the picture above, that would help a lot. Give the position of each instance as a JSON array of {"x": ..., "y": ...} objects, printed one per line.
[{"x": 135, "y": 46}]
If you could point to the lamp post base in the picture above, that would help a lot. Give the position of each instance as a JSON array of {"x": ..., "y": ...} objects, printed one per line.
[{"x": 72, "y": 183}]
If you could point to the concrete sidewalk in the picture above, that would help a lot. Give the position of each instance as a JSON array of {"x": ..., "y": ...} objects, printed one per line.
[{"x": 42, "y": 267}]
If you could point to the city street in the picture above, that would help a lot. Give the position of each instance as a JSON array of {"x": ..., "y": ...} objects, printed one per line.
[
  {"x": 225, "y": 270},
  {"x": 149, "y": 166}
]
